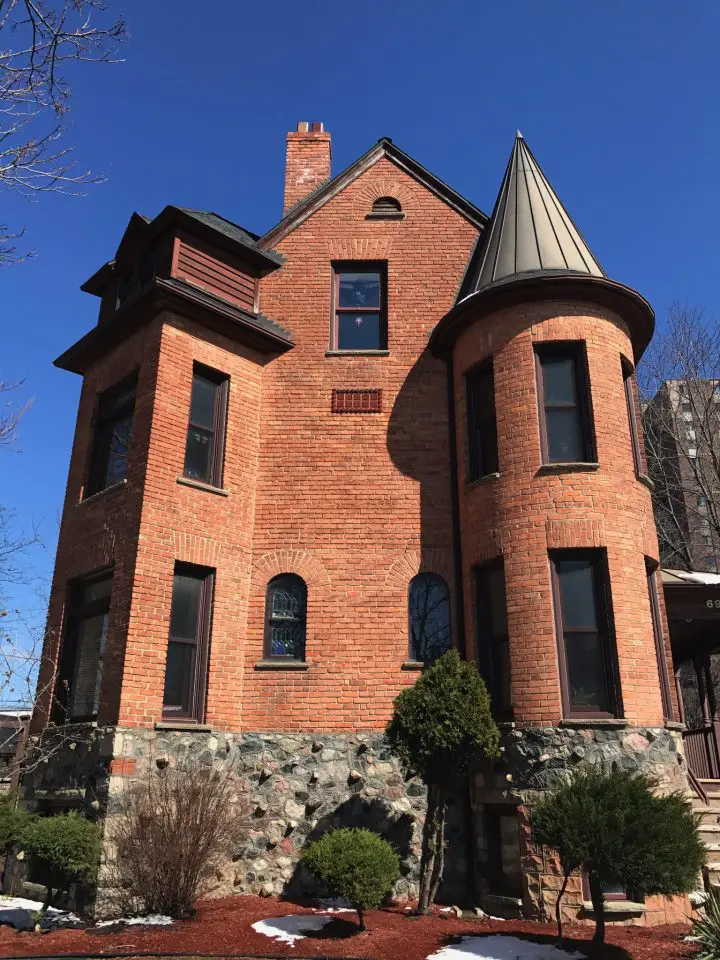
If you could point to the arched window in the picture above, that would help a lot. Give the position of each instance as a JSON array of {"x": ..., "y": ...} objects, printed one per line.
[
  {"x": 285, "y": 612},
  {"x": 428, "y": 617},
  {"x": 386, "y": 207}
]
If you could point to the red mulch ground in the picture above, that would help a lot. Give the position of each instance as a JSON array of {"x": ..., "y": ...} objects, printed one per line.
[{"x": 223, "y": 927}]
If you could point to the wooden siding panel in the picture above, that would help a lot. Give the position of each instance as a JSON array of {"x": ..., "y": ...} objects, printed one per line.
[{"x": 212, "y": 271}]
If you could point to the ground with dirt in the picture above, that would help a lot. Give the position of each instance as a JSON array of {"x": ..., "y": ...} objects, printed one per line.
[{"x": 224, "y": 927}]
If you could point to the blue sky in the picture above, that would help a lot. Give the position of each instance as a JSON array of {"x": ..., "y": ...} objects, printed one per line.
[{"x": 617, "y": 99}]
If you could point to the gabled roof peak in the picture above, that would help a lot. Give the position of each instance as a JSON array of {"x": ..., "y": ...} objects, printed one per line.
[{"x": 530, "y": 231}]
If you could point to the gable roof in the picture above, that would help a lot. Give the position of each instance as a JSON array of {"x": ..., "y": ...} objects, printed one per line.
[{"x": 383, "y": 148}]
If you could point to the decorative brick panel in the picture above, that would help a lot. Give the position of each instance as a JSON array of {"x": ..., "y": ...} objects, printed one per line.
[{"x": 357, "y": 401}]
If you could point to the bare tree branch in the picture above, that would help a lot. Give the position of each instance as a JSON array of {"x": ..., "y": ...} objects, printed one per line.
[{"x": 39, "y": 39}]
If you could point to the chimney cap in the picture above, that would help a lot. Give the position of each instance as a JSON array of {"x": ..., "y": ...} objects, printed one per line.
[{"x": 312, "y": 126}]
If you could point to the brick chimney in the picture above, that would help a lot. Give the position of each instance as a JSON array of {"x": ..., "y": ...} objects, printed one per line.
[{"x": 308, "y": 161}]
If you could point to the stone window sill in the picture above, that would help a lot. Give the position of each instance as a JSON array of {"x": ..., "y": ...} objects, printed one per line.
[
  {"x": 185, "y": 726},
  {"x": 674, "y": 725},
  {"x": 412, "y": 665},
  {"x": 357, "y": 353},
  {"x": 385, "y": 216},
  {"x": 589, "y": 723},
  {"x": 481, "y": 481},
  {"x": 198, "y": 485},
  {"x": 645, "y": 481},
  {"x": 101, "y": 493},
  {"x": 617, "y": 907},
  {"x": 570, "y": 467},
  {"x": 282, "y": 665}
]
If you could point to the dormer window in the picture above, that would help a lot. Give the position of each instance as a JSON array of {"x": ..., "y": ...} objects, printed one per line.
[{"x": 386, "y": 208}]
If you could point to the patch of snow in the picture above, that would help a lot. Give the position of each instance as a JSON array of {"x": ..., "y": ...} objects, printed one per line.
[
  {"x": 496, "y": 947},
  {"x": 18, "y": 911},
  {"x": 446, "y": 909},
  {"x": 151, "y": 920},
  {"x": 292, "y": 928}
]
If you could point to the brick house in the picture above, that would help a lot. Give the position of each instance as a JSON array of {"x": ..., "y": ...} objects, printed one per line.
[{"x": 306, "y": 463}]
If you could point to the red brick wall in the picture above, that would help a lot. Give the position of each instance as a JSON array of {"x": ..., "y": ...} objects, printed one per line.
[
  {"x": 307, "y": 163},
  {"x": 523, "y": 513}
]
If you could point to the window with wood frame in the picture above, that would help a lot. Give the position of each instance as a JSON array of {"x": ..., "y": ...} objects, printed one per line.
[
  {"x": 359, "y": 306},
  {"x": 428, "y": 618},
  {"x": 492, "y": 643},
  {"x": 77, "y": 690},
  {"x": 285, "y": 618},
  {"x": 504, "y": 873},
  {"x": 629, "y": 385},
  {"x": 586, "y": 641},
  {"x": 481, "y": 422},
  {"x": 566, "y": 433},
  {"x": 189, "y": 643},
  {"x": 666, "y": 696},
  {"x": 613, "y": 891},
  {"x": 205, "y": 446},
  {"x": 110, "y": 449}
]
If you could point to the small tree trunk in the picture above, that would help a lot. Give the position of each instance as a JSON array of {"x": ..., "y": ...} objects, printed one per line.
[
  {"x": 439, "y": 865},
  {"x": 48, "y": 897},
  {"x": 558, "y": 903},
  {"x": 429, "y": 850},
  {"x": 361, "y": 918},
  {"x": 598, "y": 902}
]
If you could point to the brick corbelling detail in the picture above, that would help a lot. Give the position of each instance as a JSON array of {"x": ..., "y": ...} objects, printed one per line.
[
  {"x": 291, "y": 561},
  {"x": 412, "y": 562}
]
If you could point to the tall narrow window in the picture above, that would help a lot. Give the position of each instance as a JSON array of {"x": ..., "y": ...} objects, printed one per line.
[
  {"x": 482, "y": 426},
  {"x": 111, "y": 441},
  {"x": 429, "y": 617},
  {"x": 584, "y": 627},
  {"x": 667, "y": 704},
  {"x": 285, "y": 618},
  {"x": 629, "y": 384},
  {"x": 204, "y": 449},
  {"x": 187, "y": 655},
  {"x": 492, "y": 636},
  {"x": 360, "y": 310},
  {"x": 77, "y": 695},
  {"x": 565, "y": 422}
]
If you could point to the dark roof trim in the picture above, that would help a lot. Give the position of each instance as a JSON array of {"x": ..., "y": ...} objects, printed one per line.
[
  {"x": 208, "y": 311},
  {"x": 97, "y": 282},
  {"x": 547, "y": 285},
  {"x": 383, "y": 148}
]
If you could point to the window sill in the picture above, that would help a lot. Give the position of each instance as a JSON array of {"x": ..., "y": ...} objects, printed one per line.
[
  {"x": 617, "y": 907},
  {"x": 589, "y": 723},
  {"x": 481, "y": 481},
  {"x": 385, "y": 216},
  {"x": 282, "y": 665},
  {"x": 199, "y": 485},
  {"x": 412, "y": 665},
  {"x": 505, "y": 724},
  {"x": 580, "y": 466},
  {"x": 183, "y": 725},
  {"x": 357, "y": 353},
  {"x": 674, "y": 725},
  {"x": 101, "y": 493},
  {"x": 502, "y": 899},
  {"x": 645, "y": 481}
]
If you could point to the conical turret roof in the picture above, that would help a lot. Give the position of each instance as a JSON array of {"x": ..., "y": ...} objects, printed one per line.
[{"x": 530, "y": 231}]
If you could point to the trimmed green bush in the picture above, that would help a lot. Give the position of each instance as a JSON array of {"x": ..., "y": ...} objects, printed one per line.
[
  {"x": 13, "y": 822},
  {"x": 440, "y": 727},
  {"x": 65, "y": 847},
  {"x": 612, "y": 826},
  {"x": 357, "y": 865},
  {"x": 706, "y": 929}
]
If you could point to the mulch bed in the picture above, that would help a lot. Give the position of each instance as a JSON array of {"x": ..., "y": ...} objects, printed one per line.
[{"x": 223, "y": 927}]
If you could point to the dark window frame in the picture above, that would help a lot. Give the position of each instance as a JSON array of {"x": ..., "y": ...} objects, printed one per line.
[
  {"x": 269, "y": 619},
  {"x": 487, "y": 638},
  {"x": 195, "y": 712},
  {"x": 605, "y": 631},
  {"x": 359, "y": 266},
  {"x": 608, "y": 897},
  {"x": 482, "y": 435},
  {"x": 628, "y": 372},
  {"x": 576, "y": 351},
  {"x": 111, "y": 406},
  {"x": 76, "y": 612},
  {"x": 651, "y": 568},
  {"x": 496, "y": 877},
  {"x": 440, "y": 580},
  {"x": 221, "y": 384}
]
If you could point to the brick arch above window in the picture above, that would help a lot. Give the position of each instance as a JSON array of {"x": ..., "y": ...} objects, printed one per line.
[
  {"x": 365, "y": 248},
  {"x": 189, "y": 548},
  {"x": 374, "y": 189},
  {"x": 303, "y": 564},
  {"x": 412, "y": 562}
]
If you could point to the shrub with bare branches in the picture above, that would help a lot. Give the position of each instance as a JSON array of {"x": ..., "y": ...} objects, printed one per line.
[{"x": 174, "y": 828}]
